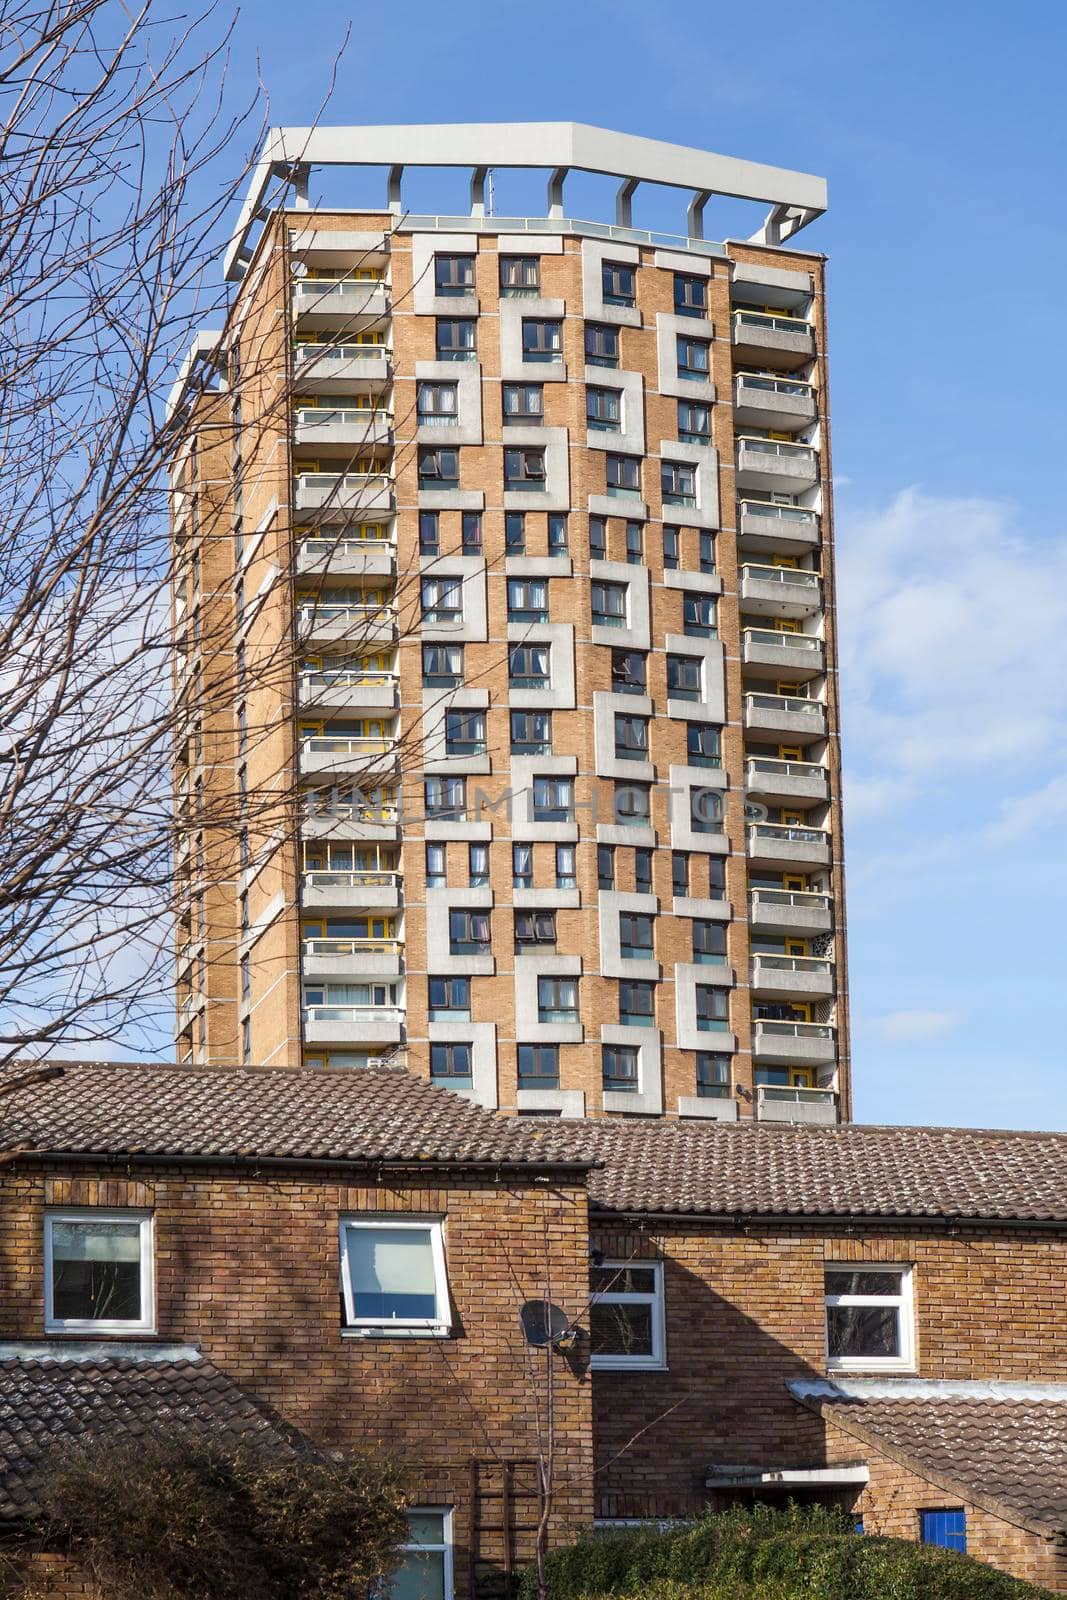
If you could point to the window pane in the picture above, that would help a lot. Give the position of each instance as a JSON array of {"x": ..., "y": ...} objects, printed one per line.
[
  {"x": 420, "y": 1576},
  {"x": 622, "y": 1280},
  {"x": 862, "y": 1331},
  {"x": 391, "y": 1271},
  {"x": 620, "y": 1330},
  {"x": 861, "y": 1282},
  {"x": 96, "y": 1271}
]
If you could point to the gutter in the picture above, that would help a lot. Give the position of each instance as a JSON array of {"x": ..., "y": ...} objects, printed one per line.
[
  {"x": 406, "y": 1164},
  {"x": 866, "y": 1220}
]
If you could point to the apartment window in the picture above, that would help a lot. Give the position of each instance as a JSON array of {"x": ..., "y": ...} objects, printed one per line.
[
  {"x": 680, "y": 874},
  {"x": 709, "y": 943},
  {"x": 707, "y": 552},
  {"x": 557, "y": 999},
  {"x": 524, "y": 470},
  {"x": 635, "y": 543},
  {"x": 631, "y": 738},
  {"x": 393, "y": 1276},
  {"x": 465, "y": 733},
  {"x": 450, "y": 1064},
  {"x": 557, "y": 534},
  {"x": 246, "y": 1038},
  {"x": 694, "y": 357},
  {"x": 626, "y": 1314},
  {"x": 635, "y": 936},
  {"x": 868, "y": 1317},
  {"x": 609, "y": 604},
  {"x": 699, "y": 616},
  {"x": 478, "y": 866},
  {"x": 678, "y": 483},
  {"x": 442, "y": 665},
  {"x": 429, "y": 533},
  {"x": 694, "y": 422},
  {"x": 243, "y": 911},
  {"x": 520, "y": 277},
  {"x": 685, "y": 678},
  {"x": 619, "y": 1068},
  {"x": 705, "y": 810},
  {"x": 456, "y": 339},
  {"x": 716, "y": 877},
  {"x": 605, "y": 866},
  {"x": 450, "y": 999},
  {"x": 603, "y": 410},
  {"x": 622, "y": 475},
  {"x": 522, "y": 866},
  {"x": 618, "y": 283},
  {"x": 598, "y": 538},
  {"x": 637, "y": 1004},
  {"x": 528, "y": 666},
  {"x": 601, "y": 345},
  {"x": 472, "y": 533},
  {"x": 712, "y": 1008},
  {"x": 542, "y": 339},
  {"x": 453, "y": 275},
  {"x": 426, "y": 1565},
  {"x": 98, "y": 1272},
  {"x": 643, "y": 871},
  {"x": 246, "y": 977},
  {"x": 514, "y": 533},
  {"x": 524, "y": 402},
  {"x": 437, "y": 404},
  {"x": 628, "y": 672},
  {"x": 702, "y": 745},
  {"x": 531, "y": 733},
  {"x": 632, "y": 804},
  {"x": 566, "y": 869},
  {"x": 671, "y": 549},
  {"x": 553, "y": 800},
  {"x": 442, "y": 599},
  {"x": 947, "y": 1527},
  {"x": 446, "y": 799},
  {"x": 438, "y": 469},
  {"x": 690, "y": 295},
  {"x": 533, "y": 928},
  {"x": 468, "y": 933},
  {"x": 527, "y": 600},
  {"x": 538, "y": 1066}
]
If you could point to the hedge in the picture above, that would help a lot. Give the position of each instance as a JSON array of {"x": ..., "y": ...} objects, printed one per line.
[{"x": 795, "y": 1553}]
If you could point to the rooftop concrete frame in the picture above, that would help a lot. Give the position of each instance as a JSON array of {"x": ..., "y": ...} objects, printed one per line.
[{"x": 289, "y": 154}]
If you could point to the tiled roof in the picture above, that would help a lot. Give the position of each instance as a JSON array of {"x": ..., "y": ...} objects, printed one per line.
[
  {"x": 1005, "y": 1455},
  {"x": 49, "y": 1398},
  {"x": 376, "y": 1115},
  {"x": 768, "y": 1169}
]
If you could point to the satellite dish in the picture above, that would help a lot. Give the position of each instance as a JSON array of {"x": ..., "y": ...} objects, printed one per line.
[{"x": 543, "y": 1323}]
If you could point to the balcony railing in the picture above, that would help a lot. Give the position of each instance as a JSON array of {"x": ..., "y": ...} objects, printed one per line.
[
  {"x": 785, "y": 769},
  {"x": 336, "y": 288},
  {"x": 343, "y": 482},
  {"x": 774, "y": 963},
  {"x": 350, "y": 811},
  {"x": 343, "y": 678},
  {"x": 794, "y": 1030},
  {"x": 338, "y": 611},
  {"x": 790, "y": 386},
  {"x": 352, "y": 947},
  {"x": 322, "y": 744},
  {"x": 775, "y": 447},
  {"x": 358, "y": 1016},
  {"x": 321, "y": 879},
  {"x": 786, "y": 702},
  {"x": 789, "y": 833},
  {"x": 308, "y": 353},
  {"x": 764, "y": 508},
  {"x": 782, "y": 640},
  {"x": 345, "y": 417},
  {"x": 780, "y": 324},
  {"x": 795, "y": 1094},
  {"x": 789, "y": 577},
  {"x": 802, "y": 899}
]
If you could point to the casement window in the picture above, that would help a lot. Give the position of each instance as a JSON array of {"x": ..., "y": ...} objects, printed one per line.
[
  {"x": 694, "y": 422},
  {"x": 605, "y": 866},
  {"x": 520, "y": 277},
  {"x": 633, "y": 804},
  {"x": 628, "y": 672},
  {"x": 527, "y": 600},
  {"x": 524, "y": 403},
  {"x": 671, "y": 548},
  {"x": 685, "y": 678},
  {"x": 542, "y": 339},
  {"x": 515, "y": 533},
  {"x": 598, "y": 538},
  {"x": 716, "y": 877},
  {"x": 471, "y": 533},
  {"x": 456, "y": 339},
  {"x": 393, "y": 1276},
  {"x": 557, "y": 999},
  {"x": 713, "y": 1008},
  {"x": 622, "y": 475},
  {"x": 631, "y": 738},
  {"x": 699, "y": 616},
  {"x": 529, "y": 666},
  {"x": 608, "y": 601},
  {"x": 438, "y": 469},
  {"x": 707, "y": 552},
  {"x": 531, "y": 733},
  {"x": 690, "y": 295},
  {"x": 946, "y": 1527},
  {"x": 450, "y": 999},
  {"x": 643, "y": 871},
  {"x": 442, "y": 665},
  {"x": 566, "y": 867},
  {"x": 522, "y": 866},
  {"x": 618, "y": 282},
  {"x": 436, "y": 869},
  {"x": 425, "y": 1571},
  {"x": 453, "y": 275},
  {"x": 98, "y": 1272},
  {"x": 709, "y": 943},
  {"x": 713, "y": 1075},
  {"x": 465, "y": 733},
  {"x": 533, "y": 928},
  {"x": 635, "y": 543},
  {"x": 705, "y": 810},
  {"x": 337, "y": 1002},
  {"x": 437, "y": 404},
  {"x": 469, "y": 933},
  {"x": 445, "y": 799},
  {"x": 626, "y": 1314},
  {"x": 603, "y": 410},
  {"x": 619, "y": 1068},
  {"x": 429, "y": 533},
  {"x": 869, "y": 1317},
  {"x": 538, "y": 1066},
  {"x": 680, "y": 874},
  {"x": 478, "y": 866},
  {"x": 524, "y": 470},
  {"x": 635, "y": 936},
  {"x": 637, "y": 1004},
  {"x": 557, "y": 534},
  {"x": 694, "y": 357},
  {"x": 702, "y": 745},
  {"x": 553, "y": 799},
  {"x": 601, "y": 345},
  {"x": 450, "y": 1065},
  {"x": 678, "y": 483},
  {"x": 442, "y": 599}
]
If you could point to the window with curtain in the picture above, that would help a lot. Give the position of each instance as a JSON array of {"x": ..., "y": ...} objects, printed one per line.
[
  {"x": 99, "y": 1272},
  {"x": 393, "y": 1275}
]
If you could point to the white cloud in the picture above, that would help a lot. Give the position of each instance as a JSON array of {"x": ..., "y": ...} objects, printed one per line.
[
  {"x": 1021, "y": 813},
  {"x": 908, "y": 1027}
]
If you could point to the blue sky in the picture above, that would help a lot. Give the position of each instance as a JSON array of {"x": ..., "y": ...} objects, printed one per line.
[{"x": 941, "y": 130}]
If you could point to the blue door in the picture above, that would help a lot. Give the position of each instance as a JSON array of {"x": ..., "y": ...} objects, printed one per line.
[{"x": 946, "y": 1528}]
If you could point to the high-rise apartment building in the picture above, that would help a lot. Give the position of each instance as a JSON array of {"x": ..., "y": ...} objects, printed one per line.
[{"x": 505, "y": 572}]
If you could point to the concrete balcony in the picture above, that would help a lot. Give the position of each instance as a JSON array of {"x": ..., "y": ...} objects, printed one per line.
[
  {"x": 786, "y": 782},
  {"x": 775, "y": 466},
  {"x": 345, "y": 559},
  {"x": 785, "y": 716},
  {"x": 776, "y": 530},
  {"x": 800, "y": 911},
  {"x": 784, "y": 404},
  {"x": 365, "y": 493},
  {"x": 793, "y": 1043},
  {"x": 323, "y": 817},
  {"x": 772, "y": 339},
  {"x": 785, "y": 845},
  {"x": 769, "y": 653},
  {"x": 364, "y": 759},
  {"x": 780, "y": 591},
  {"x": 352, "y": 960},
  {"x": 355, "y": 1025},
  {"x": 779, "y": 1104},
  {"x": 366, "y": 626},
  {"x": 349, "y": 429},
  {"x": 334, "y": 304},
  {"x": 346, "y": 690},
  {"x": 342, "y": 368},
  {"x": 351, "y": 891},
  {"x": 793, "y": 977}
]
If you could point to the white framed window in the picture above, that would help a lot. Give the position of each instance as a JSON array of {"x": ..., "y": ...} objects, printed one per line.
[
  {"x": 626, "y": 1325},
  {"x": 98, "y": 1272},
  {"x": 870, "y": 1322},
  {"x": 393, "y": 1276},
  {"x": 425, "y": 1571}
]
